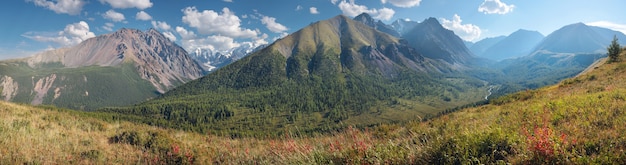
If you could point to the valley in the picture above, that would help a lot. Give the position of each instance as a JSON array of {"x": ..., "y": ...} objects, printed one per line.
[
  {"x": 577, "y": 121},
  {"x": 312, "y": 82}
]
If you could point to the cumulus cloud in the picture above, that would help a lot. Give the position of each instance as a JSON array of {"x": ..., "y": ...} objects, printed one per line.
[
  {"x": 71, "y": 7},
  {"x": 212, "y": 42},
  {"x": 298, "y": 8},
  {"x": 352, "y": 9},
  {"x": 272, "y": 25},
  {"x": 124, "y": 4},
  {"x": 184, "y": 33},
  {"x": 113, "y": 16},
  {"x": 211, "y": 22},
  {"x": 191, "y": 41},
  {"x": 610, "y": 25},
  {"x": 169, "y": 35},
  {"x": 108, "y": 26},
  {"x": 313, "y": 10},
  {"x": 161, "y": 25},
  {"x": 468, "y": 32},
  {"x": 71, "y": 35},
  {"x": 142, "y": 15},
  {"x": 403, "y": 3},
  {"x": 334, "y": 1},
  {"x": 495, "y": 7}
]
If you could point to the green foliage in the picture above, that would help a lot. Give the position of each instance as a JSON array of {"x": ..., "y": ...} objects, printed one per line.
[{"x": 613, "y": 50}]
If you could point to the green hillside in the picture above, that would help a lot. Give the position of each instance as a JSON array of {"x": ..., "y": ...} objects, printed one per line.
[
  {"x": 84, "y": 88},
  {"x": 329, "y": 75}
]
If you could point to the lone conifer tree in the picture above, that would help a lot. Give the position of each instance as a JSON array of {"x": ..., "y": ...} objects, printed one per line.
[{"x": 614, "y": 50}]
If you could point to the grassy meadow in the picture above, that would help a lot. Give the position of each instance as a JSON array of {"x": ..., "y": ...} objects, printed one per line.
[{"x": 578, "y": 121}]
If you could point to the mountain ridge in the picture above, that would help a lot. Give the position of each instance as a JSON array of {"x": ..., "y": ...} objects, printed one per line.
[{"x": 97, "y": 70}]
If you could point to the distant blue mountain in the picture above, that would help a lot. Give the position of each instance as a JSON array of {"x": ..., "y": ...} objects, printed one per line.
[
  {"x": 519, "y": 43},
  {"x": 579, "y": 38},
  {"x": 481, "y": 46}
]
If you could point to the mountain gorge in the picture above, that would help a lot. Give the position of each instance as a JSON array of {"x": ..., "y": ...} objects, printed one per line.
[{"x": 121, "y": 68}]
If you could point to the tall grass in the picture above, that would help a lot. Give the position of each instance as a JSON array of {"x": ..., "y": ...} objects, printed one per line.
[{"x": 579, "y": 121}]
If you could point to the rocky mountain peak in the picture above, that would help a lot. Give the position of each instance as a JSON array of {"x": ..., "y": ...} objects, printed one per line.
[
  {"x": 376, "y": 24},
  {"x": 156, "y": 58},
  {"x": 364, "y": 17}
]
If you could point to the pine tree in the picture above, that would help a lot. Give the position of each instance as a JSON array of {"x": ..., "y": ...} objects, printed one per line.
[{"x": 613, "y": 50}]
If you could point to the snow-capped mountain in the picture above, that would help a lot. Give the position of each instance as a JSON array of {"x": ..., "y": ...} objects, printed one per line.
[{"x": 212, "y": 60}]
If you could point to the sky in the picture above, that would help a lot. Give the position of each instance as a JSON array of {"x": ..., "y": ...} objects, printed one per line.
[{"x": 31, "y": 26}]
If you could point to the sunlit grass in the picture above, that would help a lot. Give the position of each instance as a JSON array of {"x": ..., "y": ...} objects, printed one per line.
[{"x": 578, "y": 121}]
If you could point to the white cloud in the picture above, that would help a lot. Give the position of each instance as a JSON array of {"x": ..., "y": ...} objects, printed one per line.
[
  {"x": 221, "y": 42},
  {"x": 210, "y": 22},
  {"x": 71, "y": 35},
  {"x": 298, "y": 8},
  {"x": 352, "y": 9},
  {"x": 113, "y": 16},
  {"x": 124, "y": 4},
  {"x": 272, "y": 25},
  {"x": 403, "y": 3},
  {"x": 213, "y": 43},
  {"x": 468, "y": 32},
  {"x": 185, "y": 34},
  {"x": 259, "y": 40},
  {"x": 71, "y": 7},
  {"x": 282, "y": 35},
  {"x": 170, "y": 35},
  {"x": 161, "y": 25},
  {"x": 190, "y": 41},
  {"x": 228, "y": 0},
  {"x": 495, "y": 7},
  {"x": 385, "y": 14},
  {"x": 108, "y": 26},
  {"x": 313, "y": 10},
  {"x": 609, "y": 25},
  {"x": 334, "y": 1},
  {"x": 142, "y": 15}
]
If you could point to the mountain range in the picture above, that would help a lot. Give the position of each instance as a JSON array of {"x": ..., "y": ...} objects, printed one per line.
[
  {"x": 211, "y": 60},
  {"x": 338, "y": 71},
  {"x": 517, "y": 44},
  {"x": 573, "y": 38},
  {"x": 331, "y": 72}
]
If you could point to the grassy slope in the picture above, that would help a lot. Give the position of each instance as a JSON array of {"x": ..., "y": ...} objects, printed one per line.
[
  {"x": 579, "y": 121},
  {"x": 106, "y": 86}
]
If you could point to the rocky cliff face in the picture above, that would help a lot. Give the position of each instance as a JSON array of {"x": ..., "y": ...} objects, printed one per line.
[
  {"x": 157, "y": 59},
  {"x": 8, "y": 88}
]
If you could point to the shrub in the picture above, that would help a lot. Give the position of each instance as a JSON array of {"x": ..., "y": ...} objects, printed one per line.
[{"x": 546, "y": 145}]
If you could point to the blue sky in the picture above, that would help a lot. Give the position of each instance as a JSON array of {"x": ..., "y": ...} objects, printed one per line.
[{"x": 30, "y": 26}]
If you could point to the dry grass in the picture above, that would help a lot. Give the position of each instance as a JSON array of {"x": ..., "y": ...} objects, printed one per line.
[{"x": 579, "y": 121}]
